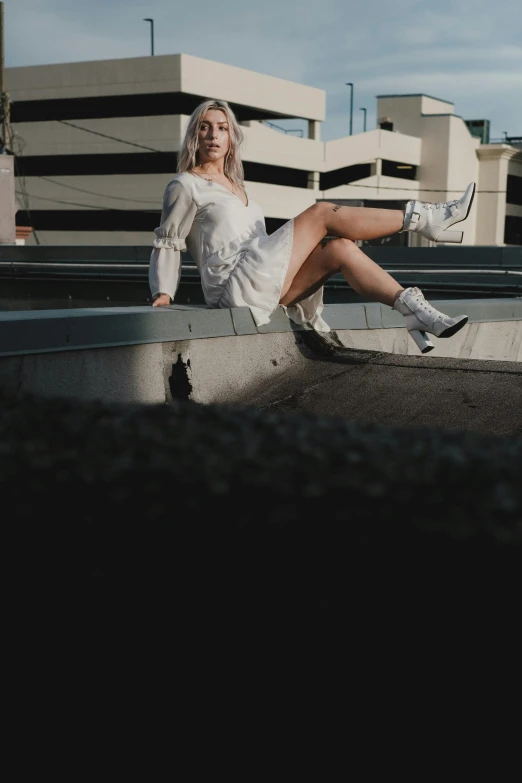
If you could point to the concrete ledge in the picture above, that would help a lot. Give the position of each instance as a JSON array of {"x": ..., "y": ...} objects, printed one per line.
[
  {"x": 42, "y": 331},
  {"x": 252, "y": 369},
  {"x": 151, "y": 355}
]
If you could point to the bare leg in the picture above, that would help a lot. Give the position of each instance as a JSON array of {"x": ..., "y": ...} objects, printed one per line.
[
  {"x": 366, "y": 277},
  {"x": 360, "y": 222},
  {"x": 323, "y": 218},
  {"x": 342, "y": 255}
]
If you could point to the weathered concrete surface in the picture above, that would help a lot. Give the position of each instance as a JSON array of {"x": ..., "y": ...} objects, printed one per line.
[
  {"x": 194, "y": 514},
  {"x": 499, "y": 341},
  {"x": 128, "y": 374},
  {"x": 219, "y": 369},
  {"x": 406, "y": 391},
  {"x": 494, "y": 329},
  {"x": 290, "y": 371}
]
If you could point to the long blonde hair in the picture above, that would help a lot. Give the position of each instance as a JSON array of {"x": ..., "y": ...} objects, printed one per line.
[{"x": 188, "y": 154}]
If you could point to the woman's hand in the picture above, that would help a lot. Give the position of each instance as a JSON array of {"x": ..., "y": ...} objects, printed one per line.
[{"x": 161, "y": 301}]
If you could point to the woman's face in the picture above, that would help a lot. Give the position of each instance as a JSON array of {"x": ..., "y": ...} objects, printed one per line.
[{"x": 213, "y": 137}]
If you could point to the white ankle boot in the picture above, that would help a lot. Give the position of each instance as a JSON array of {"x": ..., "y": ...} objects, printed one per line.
[
  {"x": 433, "y": 220},
  {"x": 421, "y": 318}
]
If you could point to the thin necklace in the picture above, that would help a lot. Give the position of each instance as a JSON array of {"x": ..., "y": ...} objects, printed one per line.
[{"x": 209, "y": 178}]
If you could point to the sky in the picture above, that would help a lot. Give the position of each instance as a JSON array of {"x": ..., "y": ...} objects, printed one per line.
[{"x": 468, "y": 52}]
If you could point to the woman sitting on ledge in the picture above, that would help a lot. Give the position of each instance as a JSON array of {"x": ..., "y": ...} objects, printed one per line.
[{"x": 207, "y": 210}]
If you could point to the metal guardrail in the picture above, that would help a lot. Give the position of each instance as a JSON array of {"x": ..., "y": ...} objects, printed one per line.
[
  {"x": 120, "y": 273},
  {"x": 516, "y": 140},
  {"x": 485, "y": 256},
  {"x": 284, "y": 130}
]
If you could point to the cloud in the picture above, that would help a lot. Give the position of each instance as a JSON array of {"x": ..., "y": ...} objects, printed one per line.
[{"x": 466, "y": 51}]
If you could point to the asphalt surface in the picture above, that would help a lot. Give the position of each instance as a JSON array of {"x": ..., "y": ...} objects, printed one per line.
[{"x": 409, "y": 391}]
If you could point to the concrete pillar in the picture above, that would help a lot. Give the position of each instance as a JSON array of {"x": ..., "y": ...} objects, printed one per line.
[
  {"x": 376, "y": 171},
  {"x": 376, "y": 168},
  {"x": 313, "y": 180},
  {"x": 7, "y": 201},
  {"x": 491, "y": 198},
  {"x": 314, "y": 130}
]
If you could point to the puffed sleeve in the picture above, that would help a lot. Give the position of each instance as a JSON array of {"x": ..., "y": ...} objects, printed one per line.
[{"x": 177, "y": 217}]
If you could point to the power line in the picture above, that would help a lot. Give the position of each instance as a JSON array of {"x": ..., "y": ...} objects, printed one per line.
[
  {"x": 23, "y": 193},
  {"x": 114, "y": 138},
  {"x": 78, "y": 204},
  {"x": 353, "y": 185},
  {"x": 152, "y": 149},
  {"x": 27, "y": 195},
  {"x": 94, "y": 193},
  {"x": 415, "y": 190}
]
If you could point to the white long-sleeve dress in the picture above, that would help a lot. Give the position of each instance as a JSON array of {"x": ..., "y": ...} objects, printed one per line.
[{"x": 239, "y": 263}]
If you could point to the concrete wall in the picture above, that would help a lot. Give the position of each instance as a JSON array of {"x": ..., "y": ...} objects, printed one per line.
[
  {"x": 239, "y": 85},
  {"x": 431, "y": 105},
  {"x": 166, "y": 73},
  {"x": 128, "y": 76},
  {"x": 118, "y": 191},
  {"x": 377, "y": 187},
  {"x": 131, "y": 192},
  {"x": 144, "y": 355},
  {"x": 369, "y": 146},
  {"x": 163, "y": 133},
  {"x": 249, "y": 369},
  {"x": 7, "y": 201},
  {"x": 264, "y": 144},
  {"x": 438, "y": 132},
  {"x": 493, "y": 341},
  {"x": 406, "y": 111}
]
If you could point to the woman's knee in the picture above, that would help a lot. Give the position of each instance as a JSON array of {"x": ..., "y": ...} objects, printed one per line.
[
  {"x": 339, "y": 250},
  {"x": 341, "y": 246},
  {"x": 320, "y": 211},
  {"x": 322, "y": 208}
]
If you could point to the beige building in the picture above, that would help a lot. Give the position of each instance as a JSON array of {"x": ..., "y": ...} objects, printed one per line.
[{"x": 96, "y": 144}]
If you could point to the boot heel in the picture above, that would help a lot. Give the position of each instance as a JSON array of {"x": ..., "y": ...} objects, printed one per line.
[
  {"x": 451, "y": 236},
  {"x": 422, "y": 341}
]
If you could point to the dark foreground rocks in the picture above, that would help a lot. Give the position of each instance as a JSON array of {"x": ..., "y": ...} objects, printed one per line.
[{"x": 189, "y": 513}]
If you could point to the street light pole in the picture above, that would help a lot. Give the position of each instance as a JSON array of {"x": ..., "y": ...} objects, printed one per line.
[
  {"x": 364, "y": 110},
  {"x": 350, "y": 85},
  {"x": 151, "y": 34}
]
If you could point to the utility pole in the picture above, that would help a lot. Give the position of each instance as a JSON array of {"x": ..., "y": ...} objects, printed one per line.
[
  {"x": 7, "y": 190},
  {"x": 151, "y": 35},
  {"x": 4, "y": 101},
  {"x": 350, "y": 85}
]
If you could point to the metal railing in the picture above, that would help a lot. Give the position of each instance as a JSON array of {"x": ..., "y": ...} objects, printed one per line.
[
  {"x": 515, "y": 140},
  {"x": 284, "y": 130},
  {"x": 119, "y": 274}
]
